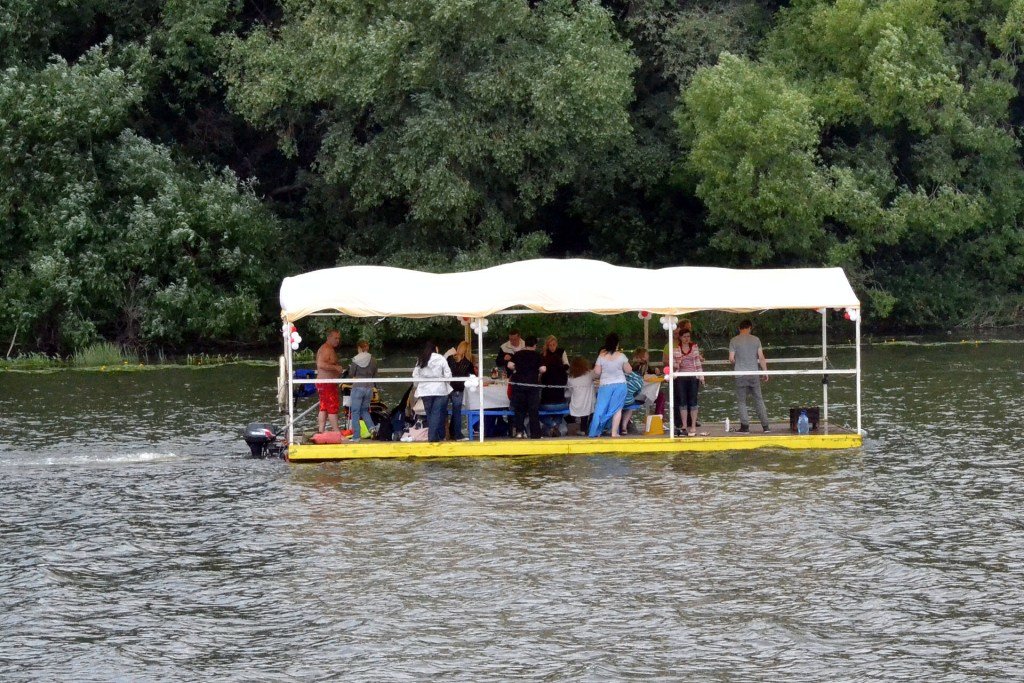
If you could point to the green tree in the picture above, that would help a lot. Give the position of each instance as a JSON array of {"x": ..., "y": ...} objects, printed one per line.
[
  {"x": 108, "y": 234},
  {"x": 891, "y": 123},
  {"x": 451, "y": 121},
  {"x": 754, "y": 140}
]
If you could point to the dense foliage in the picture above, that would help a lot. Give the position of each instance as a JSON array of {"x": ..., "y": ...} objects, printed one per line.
[{"x": 163, "y": 164}]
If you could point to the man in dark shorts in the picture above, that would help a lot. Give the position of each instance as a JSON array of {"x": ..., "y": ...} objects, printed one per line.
[
  {"x": 526, "y": 368},
  {"x": 745, "y": 353},
  {"x": 327, "y": 367}
]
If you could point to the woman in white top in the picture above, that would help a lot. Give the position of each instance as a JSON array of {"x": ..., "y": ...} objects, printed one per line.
[
  {"x": 611, "y": 368},
  {"x": 580, "y": 392},
  {"x": 430, "y": 364}
]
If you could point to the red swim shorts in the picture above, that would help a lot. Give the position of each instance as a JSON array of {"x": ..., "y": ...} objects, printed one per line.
[{"x": 329, "y": 402}]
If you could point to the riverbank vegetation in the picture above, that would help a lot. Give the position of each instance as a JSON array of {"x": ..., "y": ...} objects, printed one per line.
[{"x": 164, "y": 164}]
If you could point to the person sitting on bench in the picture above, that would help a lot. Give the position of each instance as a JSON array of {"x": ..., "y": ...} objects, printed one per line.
[{"x": 634, "y": 385}]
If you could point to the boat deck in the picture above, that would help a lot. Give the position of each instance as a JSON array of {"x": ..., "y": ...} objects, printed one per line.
[{"x": 711, "y": 437}]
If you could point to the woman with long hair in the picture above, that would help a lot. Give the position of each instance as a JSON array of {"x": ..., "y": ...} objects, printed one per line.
[
  {"x": 557, "y": 363},
  {"x": 684, "y": 327},
  {"x": 687, "y": 359},
  {"x": 461, "y": 364},
  {"x": 432, "y": 366},
  {"x": 611, "y": 369},
  {"x": 363, "y": 367},
  {"x": 554, "y": 379}
]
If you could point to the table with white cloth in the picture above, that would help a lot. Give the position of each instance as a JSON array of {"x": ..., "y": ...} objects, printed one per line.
[
  {"x": 495, "y": 396},
  {"x": 649, "y": 393}
]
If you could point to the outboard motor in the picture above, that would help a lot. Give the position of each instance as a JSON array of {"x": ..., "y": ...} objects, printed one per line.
[{"x": 262, "y": 440}]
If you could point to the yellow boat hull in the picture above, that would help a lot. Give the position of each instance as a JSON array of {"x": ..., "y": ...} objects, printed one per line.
[{"x": 496, "y": 448}]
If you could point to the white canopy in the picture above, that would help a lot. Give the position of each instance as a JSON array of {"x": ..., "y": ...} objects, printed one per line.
[{"x": 560, "y": 286}]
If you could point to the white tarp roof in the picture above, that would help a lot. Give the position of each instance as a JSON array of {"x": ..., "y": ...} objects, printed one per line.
[{"x": 560, "y": 286}]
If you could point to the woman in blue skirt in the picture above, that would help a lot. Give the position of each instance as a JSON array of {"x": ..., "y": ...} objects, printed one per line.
[{"x": 611, "y": 369}]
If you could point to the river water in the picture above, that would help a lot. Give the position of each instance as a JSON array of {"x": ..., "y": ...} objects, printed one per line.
[{"x": 136, "y": 543}]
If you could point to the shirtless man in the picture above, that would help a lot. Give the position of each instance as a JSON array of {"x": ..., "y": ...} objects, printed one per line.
[{"x": 327, "y": 367}]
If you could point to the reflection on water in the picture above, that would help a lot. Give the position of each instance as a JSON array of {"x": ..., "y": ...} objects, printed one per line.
[{"x": 137, "y": 542}]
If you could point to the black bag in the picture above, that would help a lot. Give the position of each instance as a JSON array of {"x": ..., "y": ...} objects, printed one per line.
[
  {"x": 397, "y": 424},
  {"x": 383, "y": 422}
]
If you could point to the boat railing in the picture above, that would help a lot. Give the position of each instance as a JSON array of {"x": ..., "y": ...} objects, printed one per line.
[
  {"x": 382, "y": 380},
  {"x": 751, "y": 373},
  {"x": 812, "y": 359}
]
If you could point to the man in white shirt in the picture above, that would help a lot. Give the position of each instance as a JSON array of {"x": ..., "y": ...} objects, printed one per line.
[{"x": 508, "y": 349}]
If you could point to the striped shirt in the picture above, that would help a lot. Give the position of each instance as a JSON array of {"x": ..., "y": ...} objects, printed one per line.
[
  {"x": 688, "y": 361},
  {"x": 634, "y": 383}
]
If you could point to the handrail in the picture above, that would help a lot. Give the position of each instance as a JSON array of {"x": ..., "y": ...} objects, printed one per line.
[
  {"x": 816, "y": 359},
  {"x": 374, "y": 380},
  {"x": 754, "y": 373},
  {"x": 710, "y": 373}
]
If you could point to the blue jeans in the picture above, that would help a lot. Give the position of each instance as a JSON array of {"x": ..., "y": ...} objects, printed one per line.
[
  {"x": 549, "y": 421},
  {"x": 455, "y": 426},
  {"x": 359, "y": 406},
  {"x": 435, "y": 407}
]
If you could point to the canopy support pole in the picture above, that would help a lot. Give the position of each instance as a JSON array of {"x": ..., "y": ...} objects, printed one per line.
[
  {"x": 824, "y": 360},
  {"x": 671, "y": 386},
  {"x": 291, "y": 395},
  {"x": 480, "y": 369},
  {"x": 858, "y": 371},
  {"x": 647, "y": 333}
]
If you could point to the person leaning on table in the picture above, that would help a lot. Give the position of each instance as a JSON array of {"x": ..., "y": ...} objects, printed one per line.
[
  {"x": 527, "y": 367},
  {"x": 462, "y": 364},
  {"x": 746, "y": 354}
]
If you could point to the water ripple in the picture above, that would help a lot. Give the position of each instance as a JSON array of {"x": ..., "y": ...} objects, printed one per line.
[{"x": 137, "y": 544}]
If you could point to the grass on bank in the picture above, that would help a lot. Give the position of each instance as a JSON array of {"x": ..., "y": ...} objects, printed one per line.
[
  {"x": 109, "y": 356},
  {"x": 30, "y": 361},
  {"x": 103, "y": 354}
]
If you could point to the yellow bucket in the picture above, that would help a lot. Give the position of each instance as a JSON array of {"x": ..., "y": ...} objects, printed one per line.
[{"x": 655, "y": 426}]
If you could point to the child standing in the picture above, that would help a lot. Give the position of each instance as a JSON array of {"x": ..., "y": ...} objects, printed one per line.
[
  {"x": 580, "y": 392},
  {"x": 634, "y": 385}
]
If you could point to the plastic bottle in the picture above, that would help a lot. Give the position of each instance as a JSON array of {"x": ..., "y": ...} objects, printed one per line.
[
  {"x": 726, "y": 424},
  {"x": 803, "y": 425}
]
